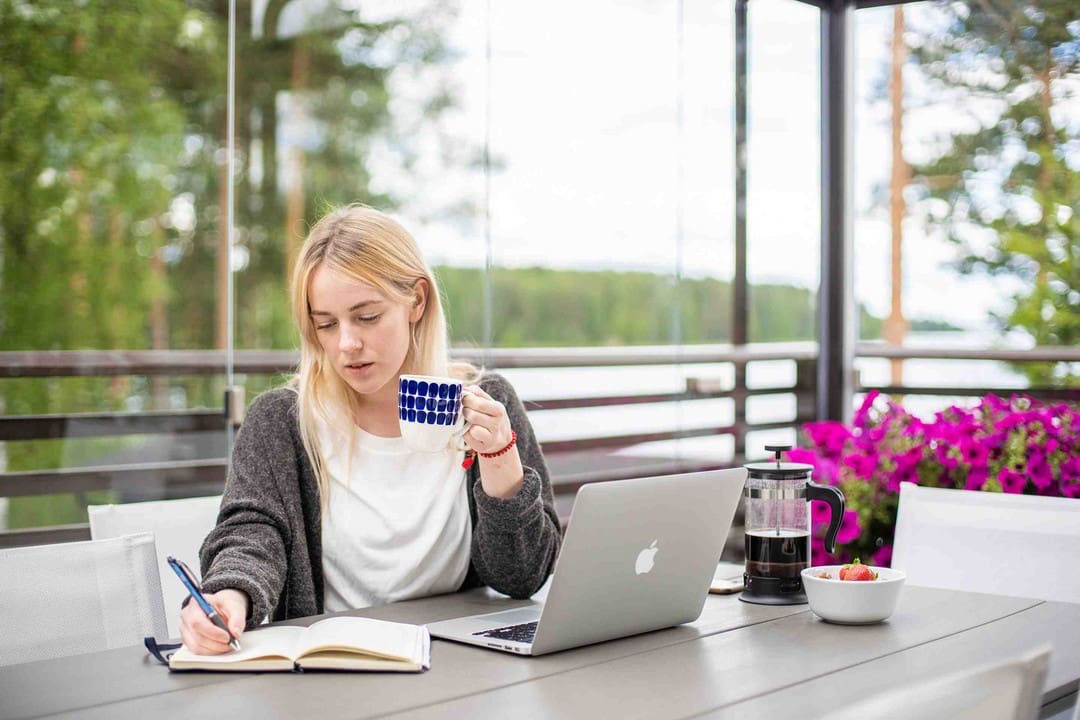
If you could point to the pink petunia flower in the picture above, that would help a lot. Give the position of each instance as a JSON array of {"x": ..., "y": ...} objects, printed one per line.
[
  {"x": 1070, "y": 469},
  {"x": 818, "y": 556},
  {"x": 976, "y": 478},
  {"x": 828, "y": 437},
  {"x": 849, "y": 528},
  {"x": 883, "y": 556},
  {"x": 946, "y": 457},
  {"x": 1042, "y": 476},
  {"x": 1023, "y": 445},
  {"x": 862, "y": 415},
  {"x": 862, "y": 466},
  {"x": 1011, "y": 481},
  {"x": 907, "y": 470},
  {"x": 819, "y": 512}
]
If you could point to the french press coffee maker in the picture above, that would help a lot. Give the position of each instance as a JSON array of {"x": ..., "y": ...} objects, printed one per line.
[{"x": 777, "y": 511}]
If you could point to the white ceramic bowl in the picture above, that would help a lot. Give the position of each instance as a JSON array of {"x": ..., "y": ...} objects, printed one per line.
[{"x": 852, "y": 602}]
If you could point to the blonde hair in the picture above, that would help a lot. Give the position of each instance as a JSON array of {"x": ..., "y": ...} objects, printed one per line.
[{"x": 366, "y": 245}]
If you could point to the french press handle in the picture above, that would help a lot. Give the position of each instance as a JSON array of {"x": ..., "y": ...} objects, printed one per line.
[{"x": 835, "y": 499}]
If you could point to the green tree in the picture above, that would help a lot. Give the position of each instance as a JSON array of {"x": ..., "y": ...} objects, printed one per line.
[
  {"x": 546, "y": 307},
  {"x": 1007, "y": 191},
  {"x": 112, "y": 179},
  {"x": 333, "y": 70},
  {"x": 87, "y": 137}
]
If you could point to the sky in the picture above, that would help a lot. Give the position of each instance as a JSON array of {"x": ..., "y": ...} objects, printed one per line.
[{"x": 611, "y": 130}]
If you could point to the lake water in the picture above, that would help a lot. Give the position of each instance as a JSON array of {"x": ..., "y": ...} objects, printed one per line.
[{"x": 549, "y": 383}]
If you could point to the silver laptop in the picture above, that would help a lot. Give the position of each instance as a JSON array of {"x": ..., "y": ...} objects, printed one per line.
[{"x": 638, "y": 555}]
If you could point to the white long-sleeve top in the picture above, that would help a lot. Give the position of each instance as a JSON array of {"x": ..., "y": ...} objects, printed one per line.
[{"x": 397, "y": 526}]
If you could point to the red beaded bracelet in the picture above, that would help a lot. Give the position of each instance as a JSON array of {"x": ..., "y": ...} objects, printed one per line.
[
  {"x": 470, "y": 455},
  {"x": 499, "y": 453}
]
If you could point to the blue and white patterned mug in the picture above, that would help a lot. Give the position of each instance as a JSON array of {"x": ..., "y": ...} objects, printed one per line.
[{"x": 429, "y": 411}]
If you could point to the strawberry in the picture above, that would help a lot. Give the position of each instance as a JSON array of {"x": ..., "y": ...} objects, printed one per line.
[{"x": 857, "y": 571}]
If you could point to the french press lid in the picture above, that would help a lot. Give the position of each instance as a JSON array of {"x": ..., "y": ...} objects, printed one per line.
[{"x": 779, "y": 470}]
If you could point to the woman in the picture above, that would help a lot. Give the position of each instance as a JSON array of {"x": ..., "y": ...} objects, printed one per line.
[{"x": 325, "y": 509}]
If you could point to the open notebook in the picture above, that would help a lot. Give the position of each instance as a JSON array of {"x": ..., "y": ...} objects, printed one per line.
[{"x": 339, "y": 643}]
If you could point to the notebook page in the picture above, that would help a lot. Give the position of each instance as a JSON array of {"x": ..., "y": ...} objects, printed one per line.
[
  {"x": 280, "y": 641},
  {"x": 376, "y": 637}
]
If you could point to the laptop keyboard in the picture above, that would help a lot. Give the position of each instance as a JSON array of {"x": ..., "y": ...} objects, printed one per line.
[{"x": 523, "y": 633}]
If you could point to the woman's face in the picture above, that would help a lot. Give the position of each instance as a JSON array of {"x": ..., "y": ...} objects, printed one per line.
[{"x": 364, "y": 334}]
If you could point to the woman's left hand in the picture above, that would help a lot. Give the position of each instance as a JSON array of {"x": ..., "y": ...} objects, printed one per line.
[
  {"x": 489, "y": 432},
  {"x": 489, "y": 426}
]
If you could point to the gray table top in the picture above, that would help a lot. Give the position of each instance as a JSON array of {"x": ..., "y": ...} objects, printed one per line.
[{"x": 736, "y": 660}]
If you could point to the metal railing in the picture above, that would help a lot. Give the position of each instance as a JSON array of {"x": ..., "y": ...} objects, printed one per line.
[
  {"x": 976, "y": 387},
  {"x": 573, "y": 462}
]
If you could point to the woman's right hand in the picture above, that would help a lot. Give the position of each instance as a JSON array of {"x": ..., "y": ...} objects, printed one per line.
[{"x": 203, "y": 637}]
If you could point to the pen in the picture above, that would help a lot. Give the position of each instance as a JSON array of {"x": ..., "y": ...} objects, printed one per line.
[{"x": 192, "y": 586}]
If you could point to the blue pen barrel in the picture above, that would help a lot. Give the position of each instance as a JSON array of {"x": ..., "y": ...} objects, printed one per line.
[{"x": 193, "y": 589}]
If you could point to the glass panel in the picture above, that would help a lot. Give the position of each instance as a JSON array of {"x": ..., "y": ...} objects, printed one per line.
[
  {"x": 110, "y": 189},
  {"x": 610, "y": 208},
  {"x": 784, "y": 177},
  {"x": 964, "y": 218},
  {"x": 340, "y": 103},
  {"x": 783, "y": 199},
  {"x": 571, "y": 198},
  {"x": 574, "y": 198}
]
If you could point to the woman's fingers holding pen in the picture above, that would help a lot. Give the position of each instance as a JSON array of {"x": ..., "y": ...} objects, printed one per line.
[
  {"x": 198, "y": 634},
  {"x": 233, "y": 606},
  {"x": 203, "y": 637}
]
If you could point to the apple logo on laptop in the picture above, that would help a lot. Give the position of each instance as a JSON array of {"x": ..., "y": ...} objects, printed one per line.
[{"x": 645, "y": 558}]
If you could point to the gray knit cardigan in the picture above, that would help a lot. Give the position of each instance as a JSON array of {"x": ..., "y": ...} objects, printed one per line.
[{"x": 268, "y": 538}]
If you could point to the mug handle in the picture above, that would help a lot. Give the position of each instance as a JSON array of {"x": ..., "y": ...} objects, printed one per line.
[{"x": 460, "y": 427}]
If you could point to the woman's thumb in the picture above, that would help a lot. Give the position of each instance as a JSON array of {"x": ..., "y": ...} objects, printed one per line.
[
  {"x": 234, "y": 616},
  {"x": 236, "y": 619}
]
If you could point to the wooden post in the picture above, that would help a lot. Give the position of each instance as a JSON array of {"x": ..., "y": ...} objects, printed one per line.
[
  {"x": 294, "y": 203},
  {"x": 739, "y": 395},
  {"x": 896, "y": 326},
  {"x": 221, "y": 270}
]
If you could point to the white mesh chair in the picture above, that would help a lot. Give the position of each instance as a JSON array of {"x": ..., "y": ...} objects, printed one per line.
[
  {"x": 1010, "y": 690},
  {"x": 179, "y": 528},
  {"x": 72, "y": 598},
  {"x": 1020, "y": 545}
]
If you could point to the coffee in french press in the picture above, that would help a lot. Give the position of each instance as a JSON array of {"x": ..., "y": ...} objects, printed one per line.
[{"x": 777, "y": 510}]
